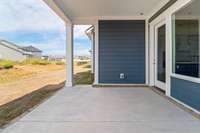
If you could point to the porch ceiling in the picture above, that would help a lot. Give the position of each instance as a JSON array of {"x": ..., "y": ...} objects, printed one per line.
[{"x": 90, "y": 9}]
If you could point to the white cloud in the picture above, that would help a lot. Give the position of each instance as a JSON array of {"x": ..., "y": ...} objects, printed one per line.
[
  {"x": 81, "y": 49},
  {"x": 35, "y": 16},
  {"x": 28, "y": 15},
  {"x": 79, "y": 31}
]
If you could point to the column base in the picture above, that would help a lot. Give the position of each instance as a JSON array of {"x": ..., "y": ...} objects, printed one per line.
[{"x": 69, "y": 84}]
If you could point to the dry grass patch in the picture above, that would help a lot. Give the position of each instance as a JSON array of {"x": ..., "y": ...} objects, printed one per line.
[
  {"x": 88, "y": 66},
  {"x": 35, "y": 61},
  {"x": 6, "y": 64},
  {"x": 8, "y": 75},
  {"x": 83, "y": 78},
  {"x": 80, "y": 63},
  {"x": 27, "y": 71},
  {"x": 42, "y": 68}
]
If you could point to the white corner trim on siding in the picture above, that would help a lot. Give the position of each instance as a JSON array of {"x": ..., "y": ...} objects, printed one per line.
[{"x": 147, "y": 52}]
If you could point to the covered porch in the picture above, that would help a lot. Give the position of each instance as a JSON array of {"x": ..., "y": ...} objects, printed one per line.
[
  {"x": 140, "y": 43},
  {"x": 83, "y": 109},
  {"x": 124, "y": 16}
]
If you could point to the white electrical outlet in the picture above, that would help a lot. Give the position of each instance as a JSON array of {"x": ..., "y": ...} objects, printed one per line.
[{"x": 122, "y": 76}]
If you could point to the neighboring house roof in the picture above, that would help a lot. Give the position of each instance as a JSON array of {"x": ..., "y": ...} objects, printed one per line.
[
  {"x": 24, "y": 50},
  {"x": 30, "y": 49}
]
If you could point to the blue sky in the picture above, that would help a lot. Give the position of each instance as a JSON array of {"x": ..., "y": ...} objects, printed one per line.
[{"x": 31, "y": 22}]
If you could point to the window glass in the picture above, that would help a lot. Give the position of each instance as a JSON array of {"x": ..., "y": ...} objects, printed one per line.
[{"x": 186, "y": 40}]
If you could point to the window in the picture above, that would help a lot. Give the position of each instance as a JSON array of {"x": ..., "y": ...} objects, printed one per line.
[{"x": 186, "y": 40}]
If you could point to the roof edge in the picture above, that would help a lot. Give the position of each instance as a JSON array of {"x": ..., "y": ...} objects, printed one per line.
[
  {"x": 57, "y": 10},
  {"x": 12, "y": 46}
]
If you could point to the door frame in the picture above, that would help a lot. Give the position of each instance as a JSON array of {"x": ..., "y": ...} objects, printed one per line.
[{"x": 158, "y": 83}]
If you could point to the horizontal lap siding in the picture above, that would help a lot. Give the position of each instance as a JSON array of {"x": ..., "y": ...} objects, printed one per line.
[
  {"x": 122, "y": 50},
  {"x": 186, "y": 91}
]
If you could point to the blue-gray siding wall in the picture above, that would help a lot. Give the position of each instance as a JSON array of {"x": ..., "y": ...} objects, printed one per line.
[
  {"x": 186, "y": 91},
  {"x": 122, "y": 50}
]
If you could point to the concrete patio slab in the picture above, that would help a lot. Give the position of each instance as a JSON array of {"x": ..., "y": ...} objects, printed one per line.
[{"x": 106, "y": 110}]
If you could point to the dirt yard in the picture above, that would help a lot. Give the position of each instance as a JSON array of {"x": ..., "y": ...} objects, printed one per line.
[{"x": 22, "y": 80}]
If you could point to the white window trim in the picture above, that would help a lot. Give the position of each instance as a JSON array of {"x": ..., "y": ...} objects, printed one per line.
[
  {"x": 188, "y": 78},
  {"x": 162, "y": 18},
  {"x": 173, "y": 74},
  {"x": 161, "y": 85}
]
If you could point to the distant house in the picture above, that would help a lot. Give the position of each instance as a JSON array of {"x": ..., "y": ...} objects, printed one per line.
[
  {"x": 45, "y": 57},
  {"x": 57, "y": 58},
  {"x": 11, "y": 51}
]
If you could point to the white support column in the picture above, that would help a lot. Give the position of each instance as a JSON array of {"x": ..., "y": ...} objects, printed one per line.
[
  {"x": 168, "y": 54},
  {"x": 96, "y": 60},
  {"x": 69, "y": 55}
]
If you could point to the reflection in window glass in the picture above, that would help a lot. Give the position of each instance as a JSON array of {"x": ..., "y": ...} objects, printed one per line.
[{"x": 186, "y": 40}]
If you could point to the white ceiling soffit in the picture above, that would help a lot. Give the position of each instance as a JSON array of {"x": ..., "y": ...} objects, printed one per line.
[
  {"x": 90, "y": 9},
  {"x": 57, "y": 10},
  {"x": 191, "y": 10}
]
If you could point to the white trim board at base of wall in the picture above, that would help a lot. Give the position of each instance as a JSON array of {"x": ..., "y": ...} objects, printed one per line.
[
  {"x": 178, "y": 103},
  {"x": 186, "y": 107}
]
